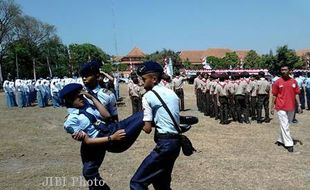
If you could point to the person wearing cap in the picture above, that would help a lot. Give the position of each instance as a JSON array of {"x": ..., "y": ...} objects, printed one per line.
[
  {"x": 241, "y": 100},
  {"x": 136, "y": 92},
  {"x": 253, "y": 96},
  {"x": 90, "y": 74},
  {"x": 285, "y": 92},
  {"x": 157, "y": 167},
  {"x": 85, "y": 123},
  {"x": 222, "y": 91},
  {"x": 307, "y": 87},
  {"x": 177, "y": 84},
  {"x": 263, "y": 92}
]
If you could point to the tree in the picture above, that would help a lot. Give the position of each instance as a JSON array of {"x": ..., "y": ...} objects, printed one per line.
[
  {"x": 19, "y": 55},
  {"x": 215, "y": 62},
  {"x": 285, "y": 56},
  {"x": 33, "y": 33},
  {"x": 9, "y": 11},
  {"x": 231, "y": 59},
  {"x": 252, "y": 60},
  {"x": 164, "y": 54},
  {"x": 53, "y": 58},
  {"x": 267, "y": 62},
  {"x": 187, "y": 64},
  {"x": 82, "y": 53}
]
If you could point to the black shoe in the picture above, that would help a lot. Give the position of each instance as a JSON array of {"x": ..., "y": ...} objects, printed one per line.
[
  {"x": 247, "y": 122},
  {"x": 188, "y": 120},
  {"x": 295, "y": 141},
  {"x": 259, "y": 121},
  {"x": 290, "y": 148},
  {"x": 279, "y": 143},
  {"x": 267, "y": 120},
  {"x": 295, "y": 121}
]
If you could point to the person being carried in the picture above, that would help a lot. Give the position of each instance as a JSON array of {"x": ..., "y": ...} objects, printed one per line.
[{"x": 85, "y": 123}]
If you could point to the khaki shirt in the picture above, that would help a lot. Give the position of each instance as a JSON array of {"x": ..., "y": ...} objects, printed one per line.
[
  {"x": 197, "y": 83},
  {"x": 135, "y": 90},
  {"x": 178, "y": 82},
  {"x": 241, "y": 88},
  {"x": 263, "y": 86},
  {"x": 212, "y": 87},
  {"x": 231, "y": 87},
  {"x": 221, "y": 89},
  {"x": 253, "y": 86}
]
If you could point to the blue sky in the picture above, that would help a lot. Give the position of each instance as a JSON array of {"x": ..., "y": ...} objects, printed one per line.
[{"x": 117, "y": 26}]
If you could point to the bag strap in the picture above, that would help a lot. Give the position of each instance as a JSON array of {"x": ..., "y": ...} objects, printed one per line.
[{"x": 176, "y": 126}]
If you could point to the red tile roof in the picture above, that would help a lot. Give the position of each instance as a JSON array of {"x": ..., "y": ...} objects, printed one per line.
[
  {"x": 302, "y": 52},
  {"x": 195, "y": 56},
  {"x": 135, "y": 52}
]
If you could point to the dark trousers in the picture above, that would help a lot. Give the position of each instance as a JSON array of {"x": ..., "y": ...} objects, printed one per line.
[
  {"x": 207, "y": 104},
  {"x": 242, "y": 111},
  {"x": 132, "y": 126},
  {"x": 308, "y": 98},
  {"x": 156, "y": 168},
  {"x": 136, "y": 103},
  {"x": 215, "y": 107},
  {"x": 253, "y": 107},
  {"x": 223, "y": 109},
  {"x": 199, "y": 99},
  {"x": 262, "y": 101},
  {"x": 302, "y": 98},
  {"x": 180, "y": 94},
  {"x": 92, "y": 157},
  {"x": 232, "y": 107}
]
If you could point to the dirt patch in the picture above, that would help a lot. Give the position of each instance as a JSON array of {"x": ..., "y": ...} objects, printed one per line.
[{"x": 35, "y": 147}]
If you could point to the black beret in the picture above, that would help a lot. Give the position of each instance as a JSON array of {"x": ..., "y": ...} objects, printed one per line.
[
  {"x": 150, "y": 67},
  {"x": 68, "y": 89},
  {"x": 90, "y": 68}
]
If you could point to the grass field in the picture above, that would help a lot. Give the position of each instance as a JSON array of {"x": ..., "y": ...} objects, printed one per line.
[{"x": 34, "y": 148}]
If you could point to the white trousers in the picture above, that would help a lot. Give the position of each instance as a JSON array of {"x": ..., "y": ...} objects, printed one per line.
[{"x": 285, "y": 119}]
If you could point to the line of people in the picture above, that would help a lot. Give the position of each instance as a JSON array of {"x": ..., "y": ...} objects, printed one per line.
[
  {"x": 24, "y": 93},
  {"x": 233, "y": 96}
]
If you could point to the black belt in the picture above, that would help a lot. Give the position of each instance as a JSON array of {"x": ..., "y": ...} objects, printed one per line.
[{"x": 167, "y": 136}]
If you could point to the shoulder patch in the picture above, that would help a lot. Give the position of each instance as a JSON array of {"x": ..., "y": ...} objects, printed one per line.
[{"x": 106, "y": 91}]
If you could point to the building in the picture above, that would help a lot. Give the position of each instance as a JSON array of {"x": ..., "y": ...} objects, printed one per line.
[
  {"x": 133, "y": 59},
  {"x": 196, "y": 57}
]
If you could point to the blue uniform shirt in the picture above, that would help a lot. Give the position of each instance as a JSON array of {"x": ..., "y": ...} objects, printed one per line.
[
  {"x": 154, "y": 111},
  {"x": 300, "y": 81},
  {"x": 107, "y": 98},
  {"x": 307, "y": 81},
  {"x": 77, "y": 122}
]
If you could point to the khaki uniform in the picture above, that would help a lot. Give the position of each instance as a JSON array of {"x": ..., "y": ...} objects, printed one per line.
[
  {"x": 198, "y": 92},
  {"x": 135, "y": 93},
  {"x": 253, "y": 99},
  {"x": 222, "y": 91},
  {"x": 263, "y": 99},
  {"x": 177, "y": 83},
  {"x": 241, "y": 102}
]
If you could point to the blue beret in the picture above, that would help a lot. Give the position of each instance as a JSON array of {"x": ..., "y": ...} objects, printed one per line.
[
  {"x": 69, "y": 88},
  {"x": 90, "y": 68},
  {"x": 150, "y": 67}
]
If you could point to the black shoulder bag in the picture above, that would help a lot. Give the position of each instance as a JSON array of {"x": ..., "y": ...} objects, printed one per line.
[{"x": 186, "y": 144}]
